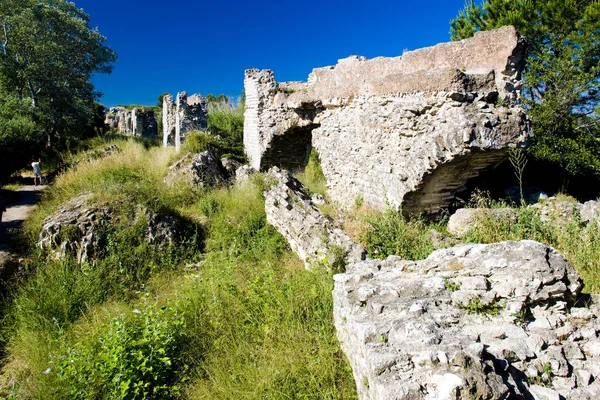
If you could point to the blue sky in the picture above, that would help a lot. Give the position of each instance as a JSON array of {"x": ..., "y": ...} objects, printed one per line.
[{"x": 204, "y": 47}]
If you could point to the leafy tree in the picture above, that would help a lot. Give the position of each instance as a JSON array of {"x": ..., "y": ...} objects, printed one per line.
[
  {"x": 48, "y": 53},
  {"x": 160, "y": 99},
  {"x": 562, "y": 73}
]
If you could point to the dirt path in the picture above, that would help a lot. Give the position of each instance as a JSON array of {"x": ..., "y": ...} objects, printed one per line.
[{"x": 16, "y": 213}]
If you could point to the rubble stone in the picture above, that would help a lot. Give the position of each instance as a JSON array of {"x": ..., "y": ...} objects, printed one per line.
[
  {"x": 202, "y": 170},
  {"x": 464, "y": 323},
  {"x": 75, "y": 228},
  {"x": 310, "y": 234}
]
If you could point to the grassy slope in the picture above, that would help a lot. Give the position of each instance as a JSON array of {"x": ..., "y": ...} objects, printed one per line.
[{"x": 232, "y": 316}]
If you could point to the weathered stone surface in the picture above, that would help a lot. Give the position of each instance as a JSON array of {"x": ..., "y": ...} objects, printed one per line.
[
  {"x": 469, "y": 322},
  {"x": 464, "y": 219},
  {"x": 566, "y": 211},
  {"x": 230, "y": 165},
  {"x": 406, "y": 131},
  {"x": 553, "y": 211},
  {"x": 203, "y": 170},
  {"x": 185, "y": 114},
  {"x": 312, "y": 236},
  {"x": 72, "y": 229},
  {"x": 75, "y": 228},
  {"x": 135, "y": 122},
  {"x": 243, "y": 174}
]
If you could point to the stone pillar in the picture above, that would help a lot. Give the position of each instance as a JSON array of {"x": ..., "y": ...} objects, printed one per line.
[
  {"x": 180, "y": 113},
  {"x": 258, "y": 85},
  {"x": 167, "y": 116}
]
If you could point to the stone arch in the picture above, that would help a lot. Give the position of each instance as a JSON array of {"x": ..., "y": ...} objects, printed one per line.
[
  {"x": 289, "y": 150},
  {"x": 440, "y": 187}
]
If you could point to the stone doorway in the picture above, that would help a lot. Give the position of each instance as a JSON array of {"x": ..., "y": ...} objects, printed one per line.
[{"x": 289, "y": 150}]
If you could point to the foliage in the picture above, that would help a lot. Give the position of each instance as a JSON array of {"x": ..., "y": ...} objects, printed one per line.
[
  {"x": 391, "y": 234},
  {"x": 131, "y": 356},
  {"x": 197, "y": 142},
  {"x": 561, "y": 76},
  {"x": 227, "y": 121},
  {"x": 214, "y": 321},
  {"x": 518, "y": 160},
  {"x": 476, "y": 306},
  {"x": 312, "y": 177},
  {"x": 159, "y": 102},
  {"x": 48, "y": 53},
  {"x": 19, "y": 135},
  {"x": 578, "y": 242}
]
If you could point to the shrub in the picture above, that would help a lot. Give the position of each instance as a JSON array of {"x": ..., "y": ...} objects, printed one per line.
[
  {"x": 391, "y": 234},
  {"x": 131, "y": 356},
  {"x": 312, "y": 177}
]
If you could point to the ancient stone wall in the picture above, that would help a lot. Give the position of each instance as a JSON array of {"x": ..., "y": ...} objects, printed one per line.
[
  {"x": 474, "y": 321},
  {"x": 135, "y": 122},
  {"x": 316, "y": 240},
  {"x": 183, "y": 115},
  {"x": 405, "y": 132}
]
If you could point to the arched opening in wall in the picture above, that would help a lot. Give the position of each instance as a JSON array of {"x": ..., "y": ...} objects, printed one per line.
[
  {"x": 290, "y": 150},
  {"x": 539, "y": 177},
  {"x": 439, "y": 189}
]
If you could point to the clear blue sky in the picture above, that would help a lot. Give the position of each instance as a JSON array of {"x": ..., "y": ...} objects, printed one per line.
[{"x": 205, "y": 46}]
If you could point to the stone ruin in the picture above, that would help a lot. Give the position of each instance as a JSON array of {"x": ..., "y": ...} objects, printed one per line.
[
  {"x": 476, "y": 321},
  {"x": 406, "y": 132},
  {"x": 183, "y": 115},
  {"x": 135, "y": 122}
]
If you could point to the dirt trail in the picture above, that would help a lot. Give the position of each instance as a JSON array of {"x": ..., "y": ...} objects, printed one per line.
[{"x": 16, "y": 213}]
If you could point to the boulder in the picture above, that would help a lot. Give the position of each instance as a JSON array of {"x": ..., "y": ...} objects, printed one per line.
[
  {"x": 465, "y": 219},
  {"x": 469, "y": 322},
  {"x": 202, "y": 170},
  {"x": 75, "y": 228},
  {"x": 315, "y": 239}
]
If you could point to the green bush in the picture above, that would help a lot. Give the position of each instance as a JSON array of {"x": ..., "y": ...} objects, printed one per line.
[
  {"x": 235, "y": 299},
  {"x": 227, "y": 122},
  {"x": 131, "y": 356},
  {"x": 578, "y": 242},
  {"x": 312, "y": 177},
  {"x": 391, "y": 234}
]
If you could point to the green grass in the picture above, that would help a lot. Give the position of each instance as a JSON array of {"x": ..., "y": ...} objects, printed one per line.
[
  {"x": 389, "y": 233},
  {"x": 312, "y": 177},
  {"x": 226, "y": 311},
  {"x": 578, "y": 242}
]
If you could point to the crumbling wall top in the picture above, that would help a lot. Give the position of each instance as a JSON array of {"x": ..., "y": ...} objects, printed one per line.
[{"x": 489, "y": 61}]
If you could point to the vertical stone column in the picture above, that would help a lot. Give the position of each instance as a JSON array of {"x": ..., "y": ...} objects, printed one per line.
[
  {"x": 181, "y": 104},
  {"x": 167, "y": 117},
  {"x": 135, "y": 119},
  {"x": 258, "y": 86}
]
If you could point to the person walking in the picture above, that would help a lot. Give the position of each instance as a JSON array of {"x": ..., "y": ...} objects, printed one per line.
[
  {"x": 37, "y": 171},
  {"x": 2, "y": 209}
]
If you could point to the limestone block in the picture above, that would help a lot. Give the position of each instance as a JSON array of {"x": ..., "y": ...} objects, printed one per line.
[
  {"x": 420, "y": 338},
  {"x": 311, "y": 235}
]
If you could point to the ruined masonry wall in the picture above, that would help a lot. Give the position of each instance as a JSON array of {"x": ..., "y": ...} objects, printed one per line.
[
  {"x": 407, "y": 131},
  {"x": 135, "y": 122},
  {"x": 183, "y": 115}
]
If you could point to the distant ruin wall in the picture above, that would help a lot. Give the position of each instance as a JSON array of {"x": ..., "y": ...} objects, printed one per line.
[
  {"x": 407, "y": 131},
  {"x": 183, "y": 115},
  {"x": 135, "y": 122}
]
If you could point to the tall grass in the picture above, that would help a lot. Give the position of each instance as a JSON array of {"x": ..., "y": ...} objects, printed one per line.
[
  {"x": 237, "y": 317},
  {"x": 312, "y": 177},
  {"x": 577, "y": 241},
  {"x": 226, "y": 120}
]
